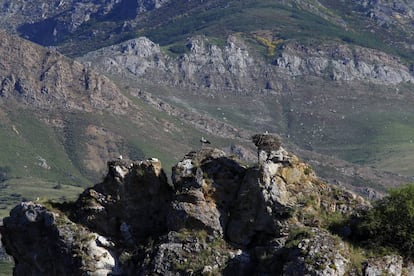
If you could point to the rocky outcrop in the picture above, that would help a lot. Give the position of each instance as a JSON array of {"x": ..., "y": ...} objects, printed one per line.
[
  {"x": 217, "y": 216},
  {"x": 205, "y": 65},
  {"x": 387, "y": 265},
  {"x": 343, "y": 63},
  {"x": 3, "y": 255},
  {"x": 236, "y": 67},
  {"x": 314, "y": 255},
  {"x": 69, "y": 248},
  {"x": 206, "y": 183}
]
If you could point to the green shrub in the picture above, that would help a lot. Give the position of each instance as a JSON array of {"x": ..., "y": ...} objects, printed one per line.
[
  {"x": 179, "y": 49},
  {"x": 297, "y": 234},
  {"x": 390, "y": 224}
]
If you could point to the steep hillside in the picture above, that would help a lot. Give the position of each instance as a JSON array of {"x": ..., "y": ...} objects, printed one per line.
[
  {"x": 60, "y": 120},
  {"x": 50, "y": 22}
]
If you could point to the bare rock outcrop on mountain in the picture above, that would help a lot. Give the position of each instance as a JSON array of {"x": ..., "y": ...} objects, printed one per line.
[
  {"x": 344, "y": 63},
  {"x": 218, "y": 216},
  {"x": 45, "y": 79},
  {"x": 206, "y": 183},
  {"x": 236, "y": 67},
  {"x": 206, "y": 64}
]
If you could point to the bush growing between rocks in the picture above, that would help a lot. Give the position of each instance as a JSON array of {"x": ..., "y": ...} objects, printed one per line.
[{"x": 390, "y": 223}]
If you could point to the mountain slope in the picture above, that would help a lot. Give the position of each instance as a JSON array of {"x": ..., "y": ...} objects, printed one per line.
[
  {"x": 60, "y": 120},
  {"x": 326, "y": 76},
  {"x": 333, "y": 98}
]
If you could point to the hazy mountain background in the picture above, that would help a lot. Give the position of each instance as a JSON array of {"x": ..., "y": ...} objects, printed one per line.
[{"x": 101, "y": 79}]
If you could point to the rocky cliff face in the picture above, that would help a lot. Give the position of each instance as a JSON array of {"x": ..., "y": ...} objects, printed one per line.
[
  {"x": 218, "y": 216},
  {"x": 344, "y": 63},
  {"x": 236, "y": 67}
]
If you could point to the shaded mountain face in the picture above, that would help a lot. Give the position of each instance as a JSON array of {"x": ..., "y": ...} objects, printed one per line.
[
  {"x": 82, "y": 26},
  {"x": 49, "y": 22},
  {"x": 47, "y": 102}
]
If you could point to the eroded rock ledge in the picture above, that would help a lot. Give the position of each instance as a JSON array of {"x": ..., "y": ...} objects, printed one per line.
[{"x": 217, "y": 216}]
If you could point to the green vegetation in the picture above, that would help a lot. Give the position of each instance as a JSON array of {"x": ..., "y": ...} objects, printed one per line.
[
  {"x": 31, "y": 149},
  {"x": 297, "y": 234},
  {"x": 390, "y": 224},
  {"x": 357, "y": 257},
  {"x": 197, "y": 260},
  {"x": 385, "y": 140},
  {"x": 6, "y": 268}
]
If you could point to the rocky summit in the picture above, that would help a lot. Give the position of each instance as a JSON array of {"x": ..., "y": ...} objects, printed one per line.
[{"x": 217, "y": 216}]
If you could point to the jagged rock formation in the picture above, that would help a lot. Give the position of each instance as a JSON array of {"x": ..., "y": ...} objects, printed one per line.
[
  {"x": 129, "y": 190},
  {"x": 218, "y": 216}
]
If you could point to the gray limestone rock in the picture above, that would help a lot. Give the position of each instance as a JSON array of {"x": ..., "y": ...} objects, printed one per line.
[
  {"x": 320, "y": 253},
  {"x": 387, "y": 265},
  {"x": 235, "y": 67}
]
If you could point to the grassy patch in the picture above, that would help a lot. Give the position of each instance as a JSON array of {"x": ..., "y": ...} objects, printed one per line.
[
  {"x": 30, "y": 148},
  {"x": 6, "y": 268},
  {"x": 16, "y": 190},
  {"x": 387, "y": 143}
]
